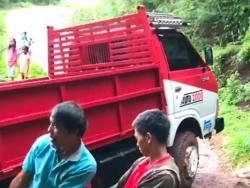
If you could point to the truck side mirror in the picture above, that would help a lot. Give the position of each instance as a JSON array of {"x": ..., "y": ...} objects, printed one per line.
[{"x": 208, "y": 55}]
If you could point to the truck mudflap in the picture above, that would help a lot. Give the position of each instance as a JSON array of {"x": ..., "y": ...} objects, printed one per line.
[{"x": 219, "y": 124}]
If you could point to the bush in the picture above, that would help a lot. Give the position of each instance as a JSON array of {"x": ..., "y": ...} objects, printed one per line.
[
  {"x": 36, "y": 71},
  {"x": 83, "y": 15},
  {"x": 217, "y": 70},
  {"x": 247, "y": 92},
  {"x": 243, "y": 57},
  {"x": 234, "y": 92},
  {"x": 223, "y": 65}
]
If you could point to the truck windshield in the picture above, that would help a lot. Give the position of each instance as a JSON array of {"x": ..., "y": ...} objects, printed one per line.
[{"x": 179, "y": 52}]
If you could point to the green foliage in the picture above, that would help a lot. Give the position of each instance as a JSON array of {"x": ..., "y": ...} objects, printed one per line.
[
  {"x": 36, "y": 71},
  {"x": 247, "y": 92},
  {"x": 234, "y": 92},
  {"x": 106, "y": 9},
  {"x": 8, "y": 3},
  {"x": 2, "y": 46},
  {"x": 237, "y": 131},
  {"x": 43, "y": 2},
  {"x": 217, "y": 70},
  {"x": 210, "y": 19},
  {"x": 211, "y": 22},
  {"x": 113, "y": 8},
  {"x": 2, "y": 31},
  {"x": 242, "y": 59},
  {"x": 235, "y": 22},
  {"x": 3, "y": 3},
  {"x": 234, "y": 57},
  {"x": 2, "y": 70},
  {"x": 83, "y": 15},
  {"x": 239, "y": 148},
  {"x": 224, "y": 58}
]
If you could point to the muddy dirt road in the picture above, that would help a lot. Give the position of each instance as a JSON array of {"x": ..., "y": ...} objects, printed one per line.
[{"x": 212, "y": 173}]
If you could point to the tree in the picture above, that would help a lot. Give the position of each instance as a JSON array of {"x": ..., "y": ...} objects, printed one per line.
[
  {"x": 3, "y": 3},
  {"x": 211, "y": 21}
]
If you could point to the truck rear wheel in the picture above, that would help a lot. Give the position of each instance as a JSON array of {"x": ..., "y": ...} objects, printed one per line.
[{"x": 186, "y": 153}]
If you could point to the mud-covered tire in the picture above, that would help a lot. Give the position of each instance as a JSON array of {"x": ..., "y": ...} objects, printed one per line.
[{"x": 186, "y": 153}]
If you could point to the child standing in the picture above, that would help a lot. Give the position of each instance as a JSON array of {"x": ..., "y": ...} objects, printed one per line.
[
  {"x": 24, "y": 62},
  {"x": 24, "y": 40},
  {"x": 12, "y": 58}
]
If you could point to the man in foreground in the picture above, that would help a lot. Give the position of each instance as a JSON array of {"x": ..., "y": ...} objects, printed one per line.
[
  {"x": 157, "y": 168},
  {"x": 59, "y": 159}
]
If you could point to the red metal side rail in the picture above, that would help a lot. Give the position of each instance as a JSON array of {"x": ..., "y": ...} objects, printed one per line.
[
  {"x": 111, "y": 100},
  {"x": 107, "y": 44}
]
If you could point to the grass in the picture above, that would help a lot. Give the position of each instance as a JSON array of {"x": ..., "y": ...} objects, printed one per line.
[
  {"x": 234, "y": 57},
  {"x": 237, "y": 132},
  {"x": 34, "y": 72}
]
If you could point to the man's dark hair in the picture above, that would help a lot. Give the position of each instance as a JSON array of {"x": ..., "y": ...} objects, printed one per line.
[
  {"x": 70, "y": 116},
  {"x": 154, "y": 122}
]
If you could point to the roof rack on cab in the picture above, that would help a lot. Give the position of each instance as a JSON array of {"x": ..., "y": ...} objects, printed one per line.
[{"x": 164, "y": 21}]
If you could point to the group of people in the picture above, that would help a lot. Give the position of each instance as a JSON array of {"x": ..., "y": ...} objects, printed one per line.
[
  {"x": 60, "y": 159},
  {"x": 18, "y": 57}
]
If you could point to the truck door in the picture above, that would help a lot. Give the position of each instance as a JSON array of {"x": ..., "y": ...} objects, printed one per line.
[{"x": 190, "y": 84}]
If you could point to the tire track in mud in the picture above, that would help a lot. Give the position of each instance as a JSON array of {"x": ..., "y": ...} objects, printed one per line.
[{"x": 210, "y": 173}]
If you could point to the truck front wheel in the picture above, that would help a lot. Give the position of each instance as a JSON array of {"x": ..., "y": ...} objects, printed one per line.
[{"x": 186, "y": 153}]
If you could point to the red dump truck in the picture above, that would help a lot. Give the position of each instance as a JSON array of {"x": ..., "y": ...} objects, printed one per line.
[{"x": 115, "y": 69}]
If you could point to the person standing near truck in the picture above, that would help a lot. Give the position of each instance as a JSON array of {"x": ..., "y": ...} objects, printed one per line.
[
  {"x": 24, "y": 62},
  {"x": 12, "y": 58},
  {"x": 24, "y": 41},
  {"x": 157, "y": 168},
  {"x": 59, "y": 158}
]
